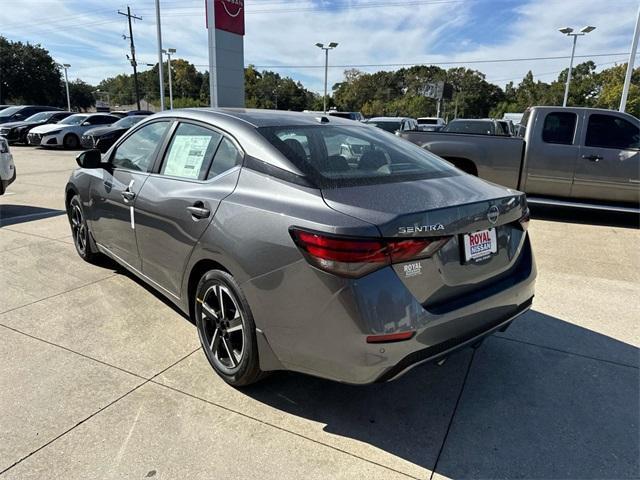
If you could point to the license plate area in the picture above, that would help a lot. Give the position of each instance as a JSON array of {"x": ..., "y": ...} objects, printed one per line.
[{"x": 479, "y": 246}]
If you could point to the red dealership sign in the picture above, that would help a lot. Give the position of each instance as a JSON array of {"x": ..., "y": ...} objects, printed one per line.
[{"x": 229, "y": 15}]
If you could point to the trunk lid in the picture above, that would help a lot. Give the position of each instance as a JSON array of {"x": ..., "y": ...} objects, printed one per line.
[{"x": 452, "y": 206}]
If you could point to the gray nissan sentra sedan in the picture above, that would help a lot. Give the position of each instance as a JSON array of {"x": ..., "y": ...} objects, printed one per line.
[{"x": 290, "y": 255}]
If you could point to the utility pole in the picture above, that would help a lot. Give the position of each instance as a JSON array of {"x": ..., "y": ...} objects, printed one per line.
[
  {"x": 632, "y": 57},
  {"x": 133, "y": 53}
]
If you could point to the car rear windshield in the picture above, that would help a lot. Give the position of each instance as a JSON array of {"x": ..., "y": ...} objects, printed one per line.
[
  {"x": 336, "y": 156},
  {"x": 427, "y": 121}
]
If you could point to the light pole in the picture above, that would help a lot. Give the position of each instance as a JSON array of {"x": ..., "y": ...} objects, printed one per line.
[
  {"x": 632, "y": 57},
  {"x": 326, "y": 49},
  {"x": 65, "y": 66},
  {"x": 169, "y": 52},
  {"x": 568, "y": 31}
]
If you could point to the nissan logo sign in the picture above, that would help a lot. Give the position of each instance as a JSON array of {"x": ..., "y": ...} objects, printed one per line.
[
  {"x": 493, "y": 214},
  {"x": 233, "y": 7}
]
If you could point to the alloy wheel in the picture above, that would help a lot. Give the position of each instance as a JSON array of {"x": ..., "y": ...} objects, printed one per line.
[
  {"x": 223, "y": 327},
  {"x": 78, "y": 229}
]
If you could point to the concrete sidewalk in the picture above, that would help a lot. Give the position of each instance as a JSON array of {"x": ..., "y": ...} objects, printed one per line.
[{"x": 101, "y": 378}]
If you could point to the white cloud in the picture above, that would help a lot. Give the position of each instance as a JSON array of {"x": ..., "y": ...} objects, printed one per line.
[{"x": 87, "y": 34}]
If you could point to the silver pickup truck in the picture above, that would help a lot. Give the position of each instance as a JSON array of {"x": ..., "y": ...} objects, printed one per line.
[{"x": 574, "y": 156}]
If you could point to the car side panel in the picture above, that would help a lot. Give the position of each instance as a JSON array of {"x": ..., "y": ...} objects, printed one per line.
[{"x": 496, "y": 159}]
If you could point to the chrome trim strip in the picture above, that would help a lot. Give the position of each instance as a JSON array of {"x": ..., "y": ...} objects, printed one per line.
[
  {"x": 134, "y": 270},
  {"x": 588, "y": 206}
]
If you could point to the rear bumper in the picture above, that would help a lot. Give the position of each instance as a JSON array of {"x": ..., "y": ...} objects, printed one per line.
[
  {"x": 324, "y": 334},
  {"x": 446, "y": 348}
]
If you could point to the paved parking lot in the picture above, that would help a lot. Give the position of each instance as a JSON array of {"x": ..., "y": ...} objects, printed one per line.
[{"x": 100, "y": 378}]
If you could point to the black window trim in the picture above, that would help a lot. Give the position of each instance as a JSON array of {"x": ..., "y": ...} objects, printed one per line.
[{"x": 160, "y": 156}]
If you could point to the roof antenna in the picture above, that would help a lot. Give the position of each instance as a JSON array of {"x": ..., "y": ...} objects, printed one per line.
[{"x": 322, "y": 119}]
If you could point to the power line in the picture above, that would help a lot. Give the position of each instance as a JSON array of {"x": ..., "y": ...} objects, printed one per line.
[{"x": 426, "y": 63}]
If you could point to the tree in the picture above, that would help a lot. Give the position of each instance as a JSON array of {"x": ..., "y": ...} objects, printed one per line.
[
  {"x": 81, "y": 95},
  {"x": 611, "y": 82},
  {"x": 29, "y": 75},
  {"x": 268, "y": 89}
]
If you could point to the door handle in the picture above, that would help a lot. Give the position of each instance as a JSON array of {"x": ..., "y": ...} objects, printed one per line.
[
  {"x": 593, "y": 158},
  {"x": 128, "y": 196},
  {"x": 199, "y": 211}
]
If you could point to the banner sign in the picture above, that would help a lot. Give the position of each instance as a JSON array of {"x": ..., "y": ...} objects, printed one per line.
[{"x": 229, "y": 15}]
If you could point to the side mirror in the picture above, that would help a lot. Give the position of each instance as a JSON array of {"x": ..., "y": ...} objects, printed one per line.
[{"x": 90, "y": 159}]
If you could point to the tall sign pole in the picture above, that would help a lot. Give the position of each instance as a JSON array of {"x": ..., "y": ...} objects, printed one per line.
[
  {"x": 160, "y": 72},
  {"x": 632, "y": 57},
  {"x": 211, "y": 30}
]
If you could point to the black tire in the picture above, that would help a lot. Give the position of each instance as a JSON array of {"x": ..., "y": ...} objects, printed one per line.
[
  {"x": 71, "y": 141},
  {"x": 218, "y": 329},
  {"x": 82, "y": 239}
]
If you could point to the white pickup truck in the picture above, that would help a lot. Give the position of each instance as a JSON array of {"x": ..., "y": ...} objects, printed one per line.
[
  {"x": 7, "y": 168},
  {"x": 574, "y": 156}
]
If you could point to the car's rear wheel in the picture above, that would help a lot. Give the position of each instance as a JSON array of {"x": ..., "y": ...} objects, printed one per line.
[
  {"x": 80, "y": 231},
  {"x": 226, "y": 329},
  {"x": 71, "y": 141}
]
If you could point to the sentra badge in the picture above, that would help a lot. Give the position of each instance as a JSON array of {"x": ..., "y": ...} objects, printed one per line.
[{"x": 421, "y": 228}]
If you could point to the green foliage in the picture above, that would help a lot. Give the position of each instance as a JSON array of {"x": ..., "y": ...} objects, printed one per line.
[
  {"x": 268, "y": 89},
  {"x": 81, "y": 95},
  {"x": 29, "y": 75}
]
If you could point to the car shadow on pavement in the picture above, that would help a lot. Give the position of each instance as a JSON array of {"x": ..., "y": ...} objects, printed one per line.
[
  {"x": 523, "y": 407},
  {"x": 589, "y": 217},
  {"x": 14, "y": 214}
]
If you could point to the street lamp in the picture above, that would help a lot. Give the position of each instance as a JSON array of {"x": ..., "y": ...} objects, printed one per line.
[
  {"x": 326, "y": 49},
  {"x": 65, "y": 66},
  {"x": 568, "y": 31},
  {"x": 168, "y": 53}
]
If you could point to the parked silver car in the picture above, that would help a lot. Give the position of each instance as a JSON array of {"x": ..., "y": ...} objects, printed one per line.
[{"x": 287, "y": 255}]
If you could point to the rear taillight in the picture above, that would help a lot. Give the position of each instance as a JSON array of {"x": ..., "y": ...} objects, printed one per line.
[
  {"x": 525, "y": 219},
  {"x": 355, "y": 257}
]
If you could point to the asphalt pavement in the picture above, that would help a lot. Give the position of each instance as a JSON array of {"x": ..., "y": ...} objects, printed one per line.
[{"x": 102, "y": 378}]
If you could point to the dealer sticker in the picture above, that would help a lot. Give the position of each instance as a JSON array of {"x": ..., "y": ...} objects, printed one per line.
[{"x": 480, "y": 245}]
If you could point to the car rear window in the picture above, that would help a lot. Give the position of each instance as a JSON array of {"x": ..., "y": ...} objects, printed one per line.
[
  {"x": 476, "y": 128},
  {"x": 335, "y": 156}
]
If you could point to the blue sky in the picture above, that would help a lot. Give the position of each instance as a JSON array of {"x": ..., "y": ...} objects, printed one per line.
[{"x": 280, "y": 33}]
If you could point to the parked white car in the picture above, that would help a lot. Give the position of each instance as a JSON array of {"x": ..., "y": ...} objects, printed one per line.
[
  {"x": 7, "y": 168},
  {"x": 67, "y": 133}
]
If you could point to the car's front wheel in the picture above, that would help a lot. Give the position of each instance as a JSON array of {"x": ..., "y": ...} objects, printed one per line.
[
  {"x": 80, "y": 231},
  {"x": 226, "y": 329},
  {"x": 71, "y": 141}
]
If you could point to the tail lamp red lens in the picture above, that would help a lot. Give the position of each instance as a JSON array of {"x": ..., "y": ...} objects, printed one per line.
[{"x": 355, "y": 257}]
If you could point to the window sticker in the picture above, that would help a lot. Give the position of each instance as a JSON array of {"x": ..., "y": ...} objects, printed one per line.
[{"x": 187, "y": 155}]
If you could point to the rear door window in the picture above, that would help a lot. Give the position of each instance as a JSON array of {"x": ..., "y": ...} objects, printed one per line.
[
  {"x": 608, "y": 131},
  {"x": 190, "y": 152},
  {"x": 559, "y": 127}
]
